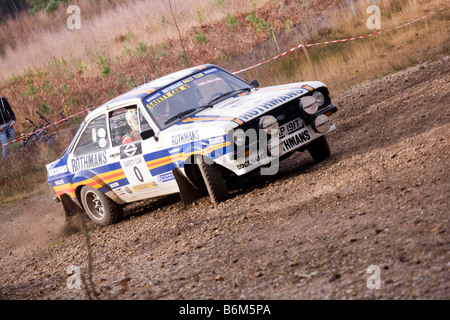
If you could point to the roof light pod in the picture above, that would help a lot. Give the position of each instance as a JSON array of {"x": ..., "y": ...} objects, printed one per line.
[
  {"x": 239, "y": 137},
  {"x": 321, "y": 124},
  {"x": 309, "y": 105},
  {"x": 269, "y": 124},
  {"x": 274, "y": 148}
]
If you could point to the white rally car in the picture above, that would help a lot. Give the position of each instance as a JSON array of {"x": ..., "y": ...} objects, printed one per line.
[{"x": 185, "y": 133}]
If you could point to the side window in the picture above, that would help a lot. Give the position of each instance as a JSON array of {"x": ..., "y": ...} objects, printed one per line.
[
  {"x": 144, "y": 123},
  {"x": 94, "y": 137},
  {"x": 124, "y": 124}
]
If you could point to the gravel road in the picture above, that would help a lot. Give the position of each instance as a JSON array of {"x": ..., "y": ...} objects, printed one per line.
[{"x": 309, "y": 232}]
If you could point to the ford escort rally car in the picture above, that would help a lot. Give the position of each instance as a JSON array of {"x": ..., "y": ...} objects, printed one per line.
[{"x": 186, "y": 133}]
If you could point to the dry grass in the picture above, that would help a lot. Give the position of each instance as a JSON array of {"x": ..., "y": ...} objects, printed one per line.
[
  {"x": 346, "y": 64},
  {"x": 35, "y": 40}
]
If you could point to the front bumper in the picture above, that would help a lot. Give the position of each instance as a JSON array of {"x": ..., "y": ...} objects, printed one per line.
[{"x": 254, "y": 158}]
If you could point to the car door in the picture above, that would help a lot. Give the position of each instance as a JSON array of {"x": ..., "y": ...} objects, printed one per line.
[
  {"x": 125, "y": 127},
  {"x": 88, "y": 161}
]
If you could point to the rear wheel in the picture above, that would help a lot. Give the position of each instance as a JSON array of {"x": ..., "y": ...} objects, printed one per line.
[
  {"x": 319, "y": 149},
  {"x": 214, "y": 181},
  {"x": 102, "y": 210}
]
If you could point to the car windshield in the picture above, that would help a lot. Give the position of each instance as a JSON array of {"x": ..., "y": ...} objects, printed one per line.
[{"x": 192, "y": 94}]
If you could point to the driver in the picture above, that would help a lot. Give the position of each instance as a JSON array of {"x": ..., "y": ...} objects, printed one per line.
[{"x": 132, "y": 120}]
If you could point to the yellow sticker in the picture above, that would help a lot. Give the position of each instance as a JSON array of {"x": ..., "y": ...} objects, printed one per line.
[{"x": 167, "y": 96}]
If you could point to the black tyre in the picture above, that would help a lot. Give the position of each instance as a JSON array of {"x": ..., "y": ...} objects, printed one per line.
[
  {"x": 102, "y": 210},
  {"x": 214, "y": 181},
  {"x": 319, "y": 149}
]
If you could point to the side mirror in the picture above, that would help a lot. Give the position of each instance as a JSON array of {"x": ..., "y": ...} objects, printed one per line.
[
  {"x": 148, "y": 134},
  {"x": 255, "y": 83}
]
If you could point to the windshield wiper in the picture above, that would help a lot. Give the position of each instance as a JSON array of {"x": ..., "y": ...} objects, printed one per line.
[
  {"x": 186, "y": 112},
  {"x": 208, "y": 105},
  {"x": 227, "y": 94},
  {"x": 181, "y": 114}
]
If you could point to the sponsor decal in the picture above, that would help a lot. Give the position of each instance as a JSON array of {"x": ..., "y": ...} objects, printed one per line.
[
  {"x": 57, "y": 170},
  {"x": 59, "y": 182},
  {"x": 175, "y": 88},
  {"x": 212, "y": 70},
  {"x": 101, "y": 133},
  {"x": 102, "y": 143},
  {"x": 130, "y": 150},
  {"x": 296, "y": 140},
  {"x": 132, "y": 162},
  {"x": 114, "y": 185},
  {"x": 185, "y": 137},
  {"x": 251, "y": 161},
  {"x": 89, "y": 161},
  {"x": 167, "y": 95},
  {"x": 269, "y": 105},
  {"x": 216, "y": 140},
  {"x": 175, "y": 150},
  {"x": 165, "y": 177},
  {"x": 143, "y": 186}
]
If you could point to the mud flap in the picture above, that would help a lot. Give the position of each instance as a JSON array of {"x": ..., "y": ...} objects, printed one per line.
[
  {"x": 70, "y": 207},
  {"x": 189, "y": 192},
  {"x": 76, "y": 219}
]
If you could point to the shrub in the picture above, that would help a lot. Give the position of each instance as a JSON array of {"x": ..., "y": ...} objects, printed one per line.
[
  {"x": 45, "y": 109},
  {"x": 260, "y": 24},
  {"x": 200, "y": 16},
  {"x": 31, "y": 89},
  {"x": 47, "y": 6},
  {"x": 104, "y": 65},
  {"x": 200, "y": 37},
  {"x": 141, "y": 48},
  {"x": 231, "y": 21}
]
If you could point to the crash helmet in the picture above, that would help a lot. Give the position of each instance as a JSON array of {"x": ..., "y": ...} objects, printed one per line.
[{"x": 132, "y": 119}]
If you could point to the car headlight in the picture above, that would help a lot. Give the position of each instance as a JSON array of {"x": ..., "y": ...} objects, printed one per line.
[
  {"x": 239, "y": 137},
  {"x": 309, "y": 105},
  {"x": 269, "y": 124},
  {"x": 321, "y": 124},
  {"x": 320, "y": 98},
  {"x": 273, "y": 147}
]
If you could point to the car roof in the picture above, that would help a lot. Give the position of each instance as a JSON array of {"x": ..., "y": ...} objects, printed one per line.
[{"x": 147, "y": 88}]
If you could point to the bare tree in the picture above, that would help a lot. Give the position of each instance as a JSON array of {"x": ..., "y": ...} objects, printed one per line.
[{"x": 175, "y": 16}]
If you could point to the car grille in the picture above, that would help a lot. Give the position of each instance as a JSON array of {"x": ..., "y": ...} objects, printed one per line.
[{"x": 284, "y": 113}]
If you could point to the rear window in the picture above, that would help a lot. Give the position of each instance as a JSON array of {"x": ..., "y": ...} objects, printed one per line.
[{"x": 94, "y": 138}]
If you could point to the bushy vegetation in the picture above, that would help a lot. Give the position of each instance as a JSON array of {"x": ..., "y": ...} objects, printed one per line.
[{"x": 46, "y": 5}]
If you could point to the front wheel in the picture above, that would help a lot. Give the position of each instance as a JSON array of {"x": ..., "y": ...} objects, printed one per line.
[
  {"x": 214, "y": 180},
  {"x": 102, "y": 210},
  {"x": 319, "y": 149}
]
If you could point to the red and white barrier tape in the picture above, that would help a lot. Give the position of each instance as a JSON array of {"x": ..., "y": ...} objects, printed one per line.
[
  {"x": 267, "y": 61},
  {"x": 43, "y": 128},
  {"x": 338, "y": 41}
]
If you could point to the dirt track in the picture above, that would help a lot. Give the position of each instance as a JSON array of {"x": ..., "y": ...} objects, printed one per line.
[{"x": 309, "y": 232}]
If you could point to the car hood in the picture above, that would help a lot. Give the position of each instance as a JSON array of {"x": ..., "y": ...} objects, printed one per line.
[{"x": 244, "y": 107}]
